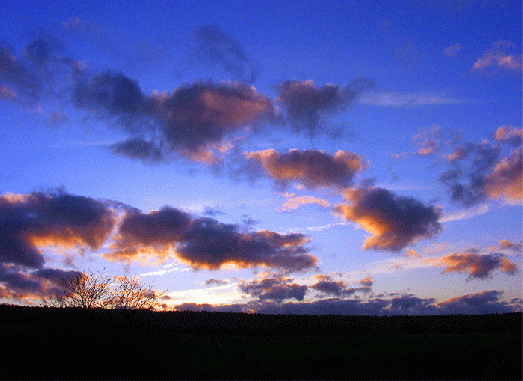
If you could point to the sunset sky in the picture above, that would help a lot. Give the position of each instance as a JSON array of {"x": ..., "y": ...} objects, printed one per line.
[{"x": 347, "y": 157}]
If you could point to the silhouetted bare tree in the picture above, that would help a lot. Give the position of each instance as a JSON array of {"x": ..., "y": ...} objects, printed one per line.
[
  {"x": 130, "y": 293},
  {"x": 84, "y": 290},
  {"x": 97, "y": 290}
]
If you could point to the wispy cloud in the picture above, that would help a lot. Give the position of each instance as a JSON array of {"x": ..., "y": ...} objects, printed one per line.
[
  {"x": 500, "y": 55},
  {"x": 464, "y": 214},
  {"x": 396, "y": 99},
  {"x": 452, "y": 51}
]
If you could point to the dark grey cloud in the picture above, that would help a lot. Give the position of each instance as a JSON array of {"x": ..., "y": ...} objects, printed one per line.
[
  {"x": 275, "y": 289},
  {"x": 112, "y": 92},
  {"x": 510, "y": 135},
  {"x": 202, "y": 114},
  {"x": 305, "y": 104},
  {"x": 140, "y": 149},
  {"x": 327, "y": 285},
  {"x": 42, "y": 50},
  {"x": 211, "y": 244},
  {"x": 50, "y": 218},
  {"x": 506, "y": 244},
  {"x": 332, "y": 306},
  {"x": 211, "y": 211},
  {"x": 412, "y": 305},
  {"x": 395, "y": 221},
  {"x": 477, "y": 265},
  {"x": 193, "y": 121},
  {"x": 215, "y": 282},
  {"x": 15, "y": 73},
  {"x": 206, "y": 243},
  {"x": 41, "y": 72},
  {"x": 506, "y": 179},
  {"x": 486, "y": 302},
  {"x": 18, "y": 283},
  {"x": 470, "y": 165},
  {"x": 312, "y": 168},
  {"x": 215, "y": 47}
]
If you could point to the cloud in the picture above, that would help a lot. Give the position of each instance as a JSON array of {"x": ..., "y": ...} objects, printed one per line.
[
  {"x": 412, "y": 305},
  {"x": 139, "y": 149},
  {"x": 466, "y": 179},
  {"x": 15, "y": 73},
  {"x": 193, "y": 121},
  {"x": 42, "y": 50},
  {"x": 411, "y": 253},
  {"x": 312, "y": 168},
  {"x": 199, "y": 116},
  {"x": 205, "y": 243},
  {"x": 394, "y": 221},
  {"x": 326, "y": 285},
  {"x": 395, "y": 99},
  {"x": 305, "y": 104},
  {"x": 276, "y": 289},
  {"x": 366, "y": 282},
  {"x": 500, "y": 55},
  {"x": 216, "y": 47},
  {"x": 17, "y": 283},
  {"x": 6, "y": 94},
  {"x": 486, "y": 302},
  {"x": 112, "y": 92},
  {"x": 212, "y": 211},
  {"x": 215, "y": 282},
  {"x": 510, "y": 134},
  {"x": 506, "y": 244},
  {"x": 431, "y": 140},
  {"x": 37, "y": 72},
  {"x": 506, "y": 179},
  {"x": 479, "y": 266},
  {"x": 464, "y": 214},
  {"x": 149, "y": 234},
  {"x": 40, "y": 219},
  {"x": 332, "y": 306},
  {"x": 452, "y": 50},
  {"x": 293, "y": 203}
]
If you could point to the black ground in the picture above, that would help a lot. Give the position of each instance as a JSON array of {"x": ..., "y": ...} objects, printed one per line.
[{"x": 56, "y": 343}]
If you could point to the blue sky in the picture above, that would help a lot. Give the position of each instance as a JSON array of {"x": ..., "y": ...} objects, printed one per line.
[{"x": 258, "y": 156}]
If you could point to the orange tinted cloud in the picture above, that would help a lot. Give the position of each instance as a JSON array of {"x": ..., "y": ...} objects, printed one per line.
[
  {"x": 327, "y": 285},
  {"x": 192, "y": 121},
  {"x": 499, "y": 55},
  {"x": 394, "y": 221},
  {"x": 475, "y": 264},
  {"x": 55, "y": 218},
  {"x": 412, "y": 253},
  {"x": 506, "y": 180},
  {"x": 206, "y": 243},
  {"x": 295, "y": 202},
  {"x": 312, "y": 168},
  {"x": 195, "y": 116},
  {"x": 277, "y": 289},
  {"x": 305, "y": 103},
  {"x": 506, "y": 244},
  {"x": 510, "y": 134},
  {"x": 6, "y": 94}
]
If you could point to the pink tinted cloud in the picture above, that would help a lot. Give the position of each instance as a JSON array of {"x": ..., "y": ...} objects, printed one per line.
[{"x": 499, "y": 55}]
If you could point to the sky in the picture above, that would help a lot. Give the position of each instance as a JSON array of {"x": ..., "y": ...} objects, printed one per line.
[{"x": 323, "y": 157}]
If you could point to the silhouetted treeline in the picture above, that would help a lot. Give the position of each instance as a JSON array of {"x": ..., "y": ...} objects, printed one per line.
[
  {"x": 98, "y": 343},
  {"x": 243, "y": 323}
]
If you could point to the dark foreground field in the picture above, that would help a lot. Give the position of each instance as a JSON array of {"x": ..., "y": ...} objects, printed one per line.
[{"x": 116, "y": 344}]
